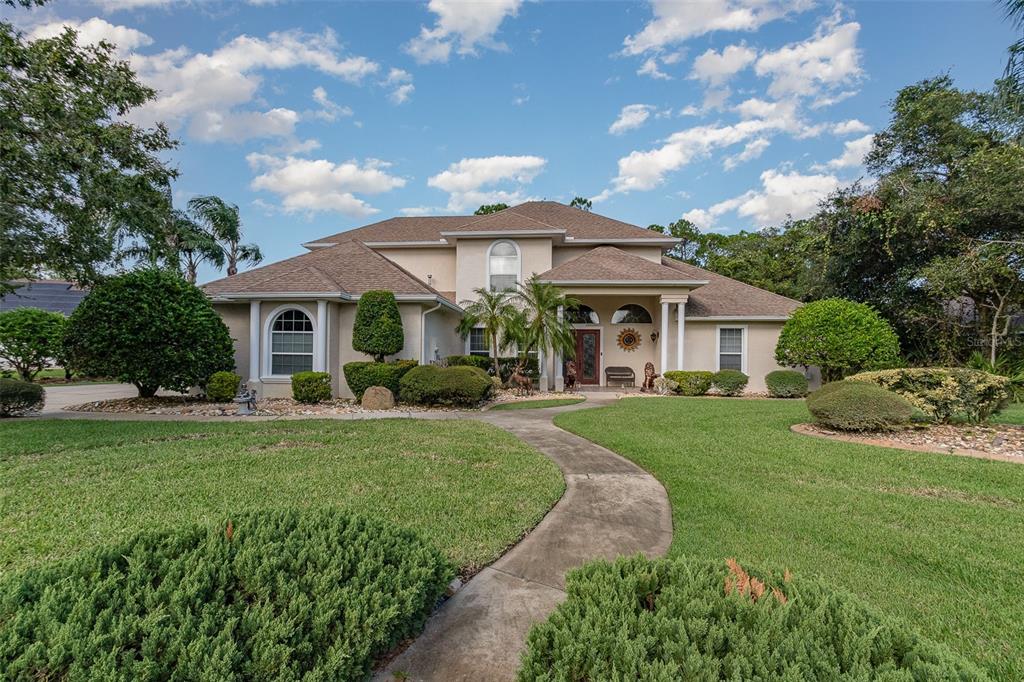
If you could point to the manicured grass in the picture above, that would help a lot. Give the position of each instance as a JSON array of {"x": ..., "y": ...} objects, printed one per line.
[
  {"x": 56, "y": 373},
  {"x": 1012, "y": 414},
  {"x": 935, "y": 539},
  {"x": 534, "y": 404},
  {"x": 470, "y": 488}
]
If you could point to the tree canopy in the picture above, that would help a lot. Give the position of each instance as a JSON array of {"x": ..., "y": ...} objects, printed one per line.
[{"x": 485, "y": 209}]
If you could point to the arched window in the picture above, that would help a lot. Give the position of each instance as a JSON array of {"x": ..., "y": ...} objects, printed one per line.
[
  {"x": 291, "y": 343},
  {"x": 631, "y": 313},
  {"x": 503, "y": 266},
  {"x": 582, "y": 314}
]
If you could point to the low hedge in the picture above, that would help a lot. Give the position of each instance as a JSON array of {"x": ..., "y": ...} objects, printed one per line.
[
  {"x": 19, "y": 398},
  {"x": 690, "y": 382},
  {"x": 221, "y": 387},
  {"x": 271, "y": 595},
  {"x": 786, "y": 383},
  {"x": 679, "y": 619},
  {"x": 361, "y": 375},
  {"x": 459, "y": 386},
  {"x": 480, "y": 361},
  {"x": 945, "y": 394},
  {"x": 729, "y": 381},
  {"x": 505, "y": 365},
  {"x": 858, "y": 406},
  {"x": 311, "y": 387}
]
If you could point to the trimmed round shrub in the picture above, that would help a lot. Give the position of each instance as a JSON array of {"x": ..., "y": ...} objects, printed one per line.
[
  {"x": 457, "y": 386},
  {"x": 681, "y": 619},
  {"x": 729, "y": 381},
  {"x": 786, "y": 383},
  {"x": 945, "y": 394},
  {"x": 311, "y": 387},
  {"x": 858, "y": 406},
  {"x": 361, "y": 375},
  {"x": 221, "y": 387},
  {"x": 265, "y": 596},
  {"x": 30, "y": 339},
  {"x": 18, "y": 398},
  {"x": 377, "y": 329},
  {"x": 691, "y": 382}
]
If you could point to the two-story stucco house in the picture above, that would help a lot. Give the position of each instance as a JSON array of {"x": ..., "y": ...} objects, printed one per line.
[{"x": 297, "y": 314}]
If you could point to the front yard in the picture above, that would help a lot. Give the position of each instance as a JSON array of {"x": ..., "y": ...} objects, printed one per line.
[
  {"x": 931, "y": 538},
  {"x": 69, "y": 485}
]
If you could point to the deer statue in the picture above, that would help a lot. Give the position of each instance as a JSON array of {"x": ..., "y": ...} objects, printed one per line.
[
  {"x": 649, "y": 377},
  {"x": 521, "y": 383},
  {"x": 570, "y": 376}
]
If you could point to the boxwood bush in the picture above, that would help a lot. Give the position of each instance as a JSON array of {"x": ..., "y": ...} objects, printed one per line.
[
  {"x": 690, "y": 382},
  {"x": 19, "y": 398},
  {"x": 729, "y": 381},
  {"x": 222, "y": 386},
  {"x": 311, "y": 387},
  {"x": 361, "y": 375},
  {"x": 858, "y": 406},
  {"x": 274, "y": 595},
  {"x": 786, "y": 383},
  {"x": 679, "y": 619},
  {"x": 459, "y": 386},
  {"x": 945, "y": 394}
]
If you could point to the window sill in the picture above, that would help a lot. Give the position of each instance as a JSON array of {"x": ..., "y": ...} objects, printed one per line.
[{"x": 276, "y": 379}]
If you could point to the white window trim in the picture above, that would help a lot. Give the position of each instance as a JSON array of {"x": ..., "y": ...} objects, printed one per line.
[
  {"x": 469, "y": 347},
  {"x": 268, "y": 346},
  {"x": 718, "y": 346},
  {"x": 519, "y": 258},
  {"x": 611, "y": 319}
]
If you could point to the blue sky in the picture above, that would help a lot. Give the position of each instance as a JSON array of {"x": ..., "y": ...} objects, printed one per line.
[{"x": 317, "y": 117}]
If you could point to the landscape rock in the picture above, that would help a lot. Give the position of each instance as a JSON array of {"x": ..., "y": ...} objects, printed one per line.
[{"x": 378, "y": 398}]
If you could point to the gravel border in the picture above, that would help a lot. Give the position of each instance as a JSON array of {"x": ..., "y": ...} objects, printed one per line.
[{"x": 915, "y": 440}]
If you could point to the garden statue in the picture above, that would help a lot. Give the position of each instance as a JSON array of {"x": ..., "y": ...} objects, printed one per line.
[
  {"x": 521, "y": 383},
  {"x": 649, "y": 376},
  {"x": 570, "y": 376},
  {"x": 246, "y": 400}
]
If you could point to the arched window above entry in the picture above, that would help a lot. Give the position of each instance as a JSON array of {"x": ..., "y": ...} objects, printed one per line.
[
  {"x": 582, "y": 314},
  {"x": 503, "y": 266},
  {"x": 631, "y": 313},
  {"x": 291, "y": 343}
]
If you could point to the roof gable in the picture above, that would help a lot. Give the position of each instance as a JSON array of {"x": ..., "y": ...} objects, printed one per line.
[{"x": 611, "y": 264}]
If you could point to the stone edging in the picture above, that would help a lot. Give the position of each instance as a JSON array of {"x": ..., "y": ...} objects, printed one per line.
[{"x": 806, "y": 430}]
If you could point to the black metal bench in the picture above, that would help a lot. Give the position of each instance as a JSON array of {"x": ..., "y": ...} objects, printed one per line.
[{"x": 624, "y": 375}]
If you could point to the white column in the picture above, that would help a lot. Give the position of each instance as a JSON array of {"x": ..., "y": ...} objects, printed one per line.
[
  {"x": 320, "y": 356},
  {"x": 559, "y": 380},
  {"x": 254, "y": 341},
  {"x": 664, "y": 338},
  {"x": 680, "y": 333}
]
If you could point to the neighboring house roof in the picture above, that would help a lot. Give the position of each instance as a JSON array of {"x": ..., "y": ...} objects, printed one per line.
[
  {"x": 611, "y": 264},
  {"x": 57, "y": 296},
  {"x": 726, "y": 297}
]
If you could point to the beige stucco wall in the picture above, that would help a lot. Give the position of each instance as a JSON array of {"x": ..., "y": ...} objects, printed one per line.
[
  {"x": 236, "y": 317},
  {"x": 701, "y": 349},
  {"x": 438, "y": 263},
  {"x": 471, "y": 262},
  {"x": 562, "y": 254}
]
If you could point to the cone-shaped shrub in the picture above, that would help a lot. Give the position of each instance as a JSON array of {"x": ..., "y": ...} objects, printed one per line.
[{"x": 377, "y": 330}]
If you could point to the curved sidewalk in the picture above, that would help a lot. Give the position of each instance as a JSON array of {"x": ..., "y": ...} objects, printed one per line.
[{"x": 610, "y": 508}]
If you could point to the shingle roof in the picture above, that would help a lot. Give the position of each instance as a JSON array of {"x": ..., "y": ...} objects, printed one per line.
[
  {"x": 726, "y": 297},
  {"x": 57, "y": 296},
  {"x": 609, "y": 263}
]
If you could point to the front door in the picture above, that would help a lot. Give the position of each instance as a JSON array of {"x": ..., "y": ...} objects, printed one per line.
[{"x": 588, "y": 356}]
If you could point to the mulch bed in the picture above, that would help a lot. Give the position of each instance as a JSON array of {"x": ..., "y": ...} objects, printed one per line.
[{"x": 991, "y": 441}]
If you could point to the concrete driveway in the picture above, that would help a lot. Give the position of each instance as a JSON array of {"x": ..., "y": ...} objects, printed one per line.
[{"x": 58, "y": 398}]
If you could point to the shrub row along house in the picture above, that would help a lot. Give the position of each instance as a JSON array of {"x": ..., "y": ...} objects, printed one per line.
[{"x": 638, "y": 305}]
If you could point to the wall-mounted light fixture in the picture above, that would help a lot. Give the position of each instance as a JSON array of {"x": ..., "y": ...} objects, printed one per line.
[{"x": 654, "y": 336}]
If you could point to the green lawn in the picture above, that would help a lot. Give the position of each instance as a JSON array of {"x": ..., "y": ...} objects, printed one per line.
[
  {"x": 534, "y": 404},
  {"x": 58, "y": 373},
  {"x": 468, "y": 487},
  {"x": 935, "y": 539},
  {"x": 1013, "y": 414}
]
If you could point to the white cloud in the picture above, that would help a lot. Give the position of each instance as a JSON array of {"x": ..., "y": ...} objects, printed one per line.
[
  {"x": 850, "y": 127},
  {"x": 401, "y": 82},
  {"x": 402, "y": 93},
  {"x": 461, "y": 25},
  {"x": 632, "y": 116},
  {"x": 782, "y": 195},
  {"x": 467, "y": 181},
  {"x": 650, "y": 68},
  {"x": 329, "y": 110},
  {"x": 231, "y": 126},
  {"x": 310, "y": 185},
  {"x": 716, "y": 68},
  {"x": 751, "y": 151},
  {"x": 853, "y": 154},
  {"x": 94, "y": 30},
  {"x": 829, "y": 100},
  {"x": 821, "y": 64},
  {"x": 118, "y": 5}
]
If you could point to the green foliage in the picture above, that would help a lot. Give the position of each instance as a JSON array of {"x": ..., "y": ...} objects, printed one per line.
[
  {"x": 311, "y": 387},
  {"x": 945, "y": 394},
  {"x": 362, "y": 375},
  {"x": 481, "y": 361},
  {"x": 690, "y": 382},
  {"x": 30, "y": 339},
  {"x": 494, "y": 312},
  {"x": 222, "y": 221},
  {"x": 457, "y": 386},
  {"x": 786, "y": 383},
  {"x": 537, "y": 325},
  {"x": 487, "y": 209},
  {"x": 581, "y": 203},
  {"x": 1004, "y": 366},
  {"x": 839, "y": 337},
  {"x": 377, "y": 330},
  {"x": 506, "y": 365},
  {"x": 149, "y": 328},
  {"x": 676, "y": 619},
  {"x": 18, "y": 398},
  {"x": 729, "y": 381},
  {"x": 858, "y": 406},
  {"x": 221, "y": 387},
  {"x": 272, "y": 595}
]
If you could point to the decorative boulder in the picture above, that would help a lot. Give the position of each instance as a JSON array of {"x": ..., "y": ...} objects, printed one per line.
[{"x": 378, "y": 398}]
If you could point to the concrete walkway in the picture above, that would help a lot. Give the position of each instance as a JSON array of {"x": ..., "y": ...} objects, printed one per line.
[{"x": 59, "y": 398}]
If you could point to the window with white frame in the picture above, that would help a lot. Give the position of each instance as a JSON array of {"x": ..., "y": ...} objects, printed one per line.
[
  {"x": 503, "y": 266},
  {"x": 730, "y": 348},
  {"x": 291, "y": 343},
  {"x": 479, "y": 344}
]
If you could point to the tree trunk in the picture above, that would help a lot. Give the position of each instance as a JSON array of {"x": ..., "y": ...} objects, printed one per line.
[
  {"x": 192, "y": 273},
  {"x": 232, "y": 266},
  {"x": 494, "y": 349},
  {"x": 146, "y": 391}
]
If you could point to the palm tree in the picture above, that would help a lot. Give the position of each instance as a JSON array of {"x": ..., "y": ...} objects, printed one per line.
[
  {"x": 493, "y": 311},
  {"x": 541, "y": 328},
  {"x": 1015, "y": 65},
  {"x": 223, "y": 222},
  {"x": 174, "y": 236}
]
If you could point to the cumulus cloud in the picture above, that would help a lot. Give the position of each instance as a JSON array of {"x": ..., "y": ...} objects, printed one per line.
[
  {"x": 751, "y": 151},
  {"x": 850, "y": 127},
  {"x": 782, "y": 195},
  {"x": 400, "y": 81},
  {"x": 632, "y": 116},
  {"x": 232, "y": 126},
  {"x": 313, "y": 185},
  {"x": 462, "y": 26},
  {"x": 821, "y": 64},
  {"x": 92, "y": 31},
  {"x": 471, "y": 182},
  {"x": 329, "y": 110},
  {"x": 650, "y": 68},
  {"x": 853, "y": 154},
  {"x": 715, "y": 68}
]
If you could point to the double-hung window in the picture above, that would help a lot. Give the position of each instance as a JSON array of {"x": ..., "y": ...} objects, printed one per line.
[
  {"x": 291, "y": 343},
  {"x": 731, "y": 348},
  {"x": 478, "y": 342}
]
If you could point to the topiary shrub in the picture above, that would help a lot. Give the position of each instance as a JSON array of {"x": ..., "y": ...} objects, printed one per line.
[
  {"x": 311, "y": 387},
  {"x": 838, "y": 336},
  {"x": 680, "y": 619},
  {"x": 18, "y": 398},
  {"x": 786, "y": 383},
  {"x": 149, "y": 328},
  {"x": 729, "y": 381},
  {"x": 691, "y": 382},
  {"x": 858, "y": 406},
  {"x": 377, "y": 329},
  {"x": 221, "y": 387},
  {"x": 361, "y": 375},
  {"x": 457, "y": 386},
  {"x": 272, "y": 595},
  {"x": 30, "y": 339},
  {"x": 945, "y": 394}
]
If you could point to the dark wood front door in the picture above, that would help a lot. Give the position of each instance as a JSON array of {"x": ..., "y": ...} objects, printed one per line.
[{"x": 588, "y": 356}]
